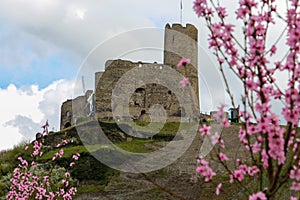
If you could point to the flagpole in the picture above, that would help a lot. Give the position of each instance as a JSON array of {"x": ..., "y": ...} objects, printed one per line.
[{"x": 181, "y": 12}]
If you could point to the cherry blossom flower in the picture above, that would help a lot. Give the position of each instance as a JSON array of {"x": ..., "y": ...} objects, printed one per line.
[
  {"x": 205, "y": 130},
  {"x": 239, "y": 175},
  {"x": 222, "y": 156},
  {"x": 218, "y": 189},
  {"x": 76, "y": 156},
  {"x": 205, "y": 170},
  {"x": 183, "y": 62},
  {"x": 295, "y": 174},
  {"x": 258, "y": 196},
  {"x": 185, "y": 82}
]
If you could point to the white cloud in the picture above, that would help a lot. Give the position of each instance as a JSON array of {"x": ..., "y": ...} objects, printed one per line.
[
  {"x": 24, "y": 110},
  {"x": 78, "y": 26}
]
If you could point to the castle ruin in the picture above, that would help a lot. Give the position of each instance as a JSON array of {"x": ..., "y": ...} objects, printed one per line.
[{"x": 179, "y": 41}]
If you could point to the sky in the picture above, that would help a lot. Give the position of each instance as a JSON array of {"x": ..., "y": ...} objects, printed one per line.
[{"x": 44, "y": 44}]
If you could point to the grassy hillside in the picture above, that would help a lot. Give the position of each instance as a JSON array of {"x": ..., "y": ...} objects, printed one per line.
[
  {"x": 95, "y": 180},
  {"x": 92, "y": 175}
]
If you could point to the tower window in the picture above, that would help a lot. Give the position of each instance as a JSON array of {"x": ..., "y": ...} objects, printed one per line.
[{"x": 68, "y": 114}]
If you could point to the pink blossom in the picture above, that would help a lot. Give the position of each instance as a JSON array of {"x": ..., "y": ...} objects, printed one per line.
[
  {"x": 252, "y": 170},
  {"x": 67, "y": 174},
  {"x": 218, "y": 189},
  {"x": 183, "y": 62},
  {"x": 243, "y": 168},
  {"x": 220, "y": 112},
  {"x": 58, "y": 154},
  {"x": 295, "y": 174},
  {"x": 295, "y": 186},
  {"x": 239, "y": 175},
  {"x": 258, "y": 196},
  {"x": 37, "y": 146},
  {"x": 185, "y": 82},
  {"x": 264, "y": 158},
  {"x": 225, "y": 122},
  {"x": 205, "y": 130},
  {"x": 202, "y": 161},
  {"x": 65, "y": 142},
  {"x": 72, "y": 164},
  {"x": 276, "y": 145},
  {"x": 231, "y": 178},
  {"x": 215, "y": 138},
  {"x": 201, "y": 9},
  {"x": 67, "y": 196},
  {"x": 221, "y": 12},
  {"x": 273, "y": 50},
  {"x": 251, "y": 85},
  {"x": 26, "y": 185},
  {"x": 221, "y": 142},
  {"x": 242, "y": 12},
  {"x": 65, "y": 182},
  {"x": 221, "y": 60},
  {"x": 256, "y": 147},
  {"x": 205, "y": 170},
  {"x": 222, "y": 156}
]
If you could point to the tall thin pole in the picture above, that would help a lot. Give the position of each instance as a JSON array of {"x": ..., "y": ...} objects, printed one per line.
[
  {"x": 180, "y": 11},
  {"x": 83, "y": 84}
]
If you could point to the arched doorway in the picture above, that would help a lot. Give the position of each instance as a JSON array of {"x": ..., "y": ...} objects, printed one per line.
[
  {"x": 68, "y": 124},
  {"x": 138, "y": 98}
]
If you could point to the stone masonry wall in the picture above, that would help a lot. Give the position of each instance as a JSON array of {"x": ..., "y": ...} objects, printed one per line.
[
  {"x": 142, "y": 96},
  {"x": 73, "y": 109},
  {"x": 181, "y": 42}
]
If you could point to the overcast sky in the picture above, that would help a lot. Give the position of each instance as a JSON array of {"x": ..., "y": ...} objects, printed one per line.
[{"x": 44, "y": 43}]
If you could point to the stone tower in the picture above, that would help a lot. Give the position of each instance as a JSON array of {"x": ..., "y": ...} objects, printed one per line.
[{"x": 181, "y": 42}]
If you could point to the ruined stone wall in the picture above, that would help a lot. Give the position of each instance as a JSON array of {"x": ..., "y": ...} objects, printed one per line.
[
  {"x": 143, "y": 96},
  {"x": 98, "y": 76},
  {"x": 78, "y": 107},
  {"x": 66, "y": 116},
  {"x": 73, "y": 109}
]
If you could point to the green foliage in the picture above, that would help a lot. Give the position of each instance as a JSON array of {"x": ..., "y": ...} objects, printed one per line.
[
  {"x": 170, "y": 128},
  {"x": 88, "y": 168},
  {"x": 3, "y": 189},
  {"x": 136, "y": 146},
  {"x": 142, "y": 123},
  {"x": 92, "y": 187},
  {"x": 68, "y": 152},
  {"x": 4, "y": 169},
  {"x": 9, "y": 158},
  {"x": 4, "y": 185}
]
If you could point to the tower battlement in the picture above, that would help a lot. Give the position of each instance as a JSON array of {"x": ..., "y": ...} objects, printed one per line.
[{"x": 189, "y": 30}]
